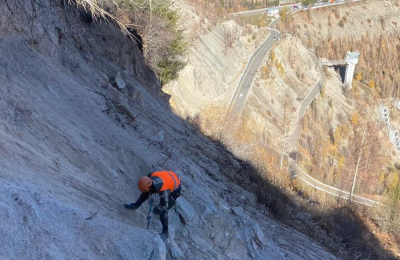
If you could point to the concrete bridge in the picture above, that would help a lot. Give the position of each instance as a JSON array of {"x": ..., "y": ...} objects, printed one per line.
[
  {"x": 350, "y": 62},
  {"x": 333, "y": 63}
]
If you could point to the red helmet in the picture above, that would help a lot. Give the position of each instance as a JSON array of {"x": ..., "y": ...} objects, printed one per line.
[{"x": 144, "y": 184}]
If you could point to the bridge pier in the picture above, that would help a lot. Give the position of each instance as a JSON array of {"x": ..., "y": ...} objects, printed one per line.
[{"x": 351, "y": 60}]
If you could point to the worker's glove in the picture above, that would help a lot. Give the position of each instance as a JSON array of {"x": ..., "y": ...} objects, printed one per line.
[
  {"x": 132, "y": 206},
  {"x": 157, "y": 210}
]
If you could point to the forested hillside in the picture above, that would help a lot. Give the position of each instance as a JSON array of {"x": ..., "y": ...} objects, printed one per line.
[
  {"x": 341, "y": 142},
  {"x": 341, "y": 133}
]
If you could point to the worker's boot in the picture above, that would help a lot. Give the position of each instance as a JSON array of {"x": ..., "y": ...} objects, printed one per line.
[
  {"x": 164, "y": 235},
  {"x": 164, "y": 221}
]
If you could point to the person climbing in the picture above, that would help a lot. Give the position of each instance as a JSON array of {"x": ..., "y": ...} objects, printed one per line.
[{"x": 168, "y": 185}]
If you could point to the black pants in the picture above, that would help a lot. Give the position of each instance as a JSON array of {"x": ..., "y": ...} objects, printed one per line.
[{"x": 171, "y": 203}]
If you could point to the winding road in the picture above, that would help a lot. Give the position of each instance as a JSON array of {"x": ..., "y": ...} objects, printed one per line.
[
  {"x": 240, "y": 95},
  {"x": 239, "y": 98}
]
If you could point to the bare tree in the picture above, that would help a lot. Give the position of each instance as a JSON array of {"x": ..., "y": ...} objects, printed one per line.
[
  {"x": 366, "y": 147},
  {"x": 359, "y": 156},
  {"x": 287, "y": 101}
]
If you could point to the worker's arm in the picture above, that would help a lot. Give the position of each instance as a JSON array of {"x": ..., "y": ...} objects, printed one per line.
[{"x": 142, "y": 198}]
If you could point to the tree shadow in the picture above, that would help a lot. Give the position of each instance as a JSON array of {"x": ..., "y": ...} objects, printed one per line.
[
  {"x": 342, "y": 228},
  {"x": 341, "y": 71},
  {"x": 347, "y": 237}
]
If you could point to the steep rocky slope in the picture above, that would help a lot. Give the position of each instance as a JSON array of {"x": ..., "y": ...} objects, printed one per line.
[
  {"x": 81, "y": 122},
  {"x": 259, "y": 134}
]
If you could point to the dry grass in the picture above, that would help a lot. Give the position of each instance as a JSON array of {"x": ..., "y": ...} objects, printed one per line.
[
  {"x": 97, "y": 9},
  {"x": 212, "y": 120}
]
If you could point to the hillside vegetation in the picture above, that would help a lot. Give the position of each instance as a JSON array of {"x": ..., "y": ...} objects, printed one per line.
[
  {"x": 340, "y": 145},
  {"x": 340, "y": 132},
  {"x": 371, "y": 28},
  {"x": 153, "y": 24}
]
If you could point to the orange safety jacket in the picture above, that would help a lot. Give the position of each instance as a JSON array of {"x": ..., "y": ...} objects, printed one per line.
[{"x": 170, "y": 180}]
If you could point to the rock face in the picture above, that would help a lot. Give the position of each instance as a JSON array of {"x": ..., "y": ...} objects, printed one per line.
[
  {"x": 70, "y": 157},
  {"x": 38, "y": 225},
  {"x": 185, "y": 210}
]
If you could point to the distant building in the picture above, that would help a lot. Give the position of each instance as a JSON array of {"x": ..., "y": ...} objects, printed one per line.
[
  {"x": 274, "y": 11},
  {"x": 394, "y": 137},
  {"x": 393, "y": 133},
  {"x": 384, "y": 113}
]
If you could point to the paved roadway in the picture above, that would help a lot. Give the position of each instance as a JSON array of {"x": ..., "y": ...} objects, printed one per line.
[
  {"x": 293, "y": 147},
  {"x": 251, "y": 12},
  {"x": 290, "y": 6},
  {"x": 259, "y": 11},
  {"x": 301, "y": 109},
  {"x": 239, "y": 98}
]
